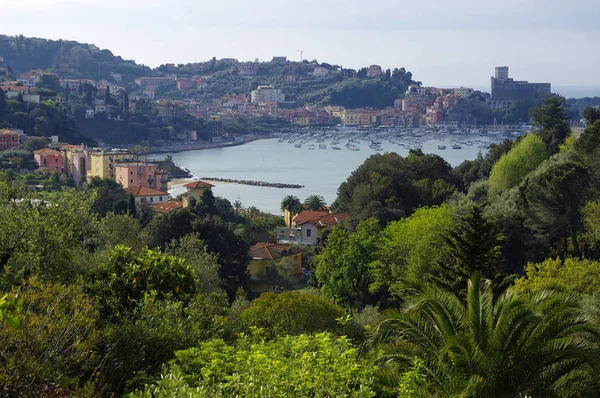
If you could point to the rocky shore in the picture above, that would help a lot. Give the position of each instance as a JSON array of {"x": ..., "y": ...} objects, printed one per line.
[{"x": 254, "y": 183}]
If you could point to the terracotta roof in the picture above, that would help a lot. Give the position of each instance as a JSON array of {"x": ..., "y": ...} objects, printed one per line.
[
  {"x": 307, "y": 215},
  {"x": 47, "y": 151},
  {"x": 8, "y": 131},
  {"x": 272, "y": 251},
  {"x": 198, "y": 184},
  {"x": 142, "y": 190},
  {"x": 323, "y": 221},
  {"x": 167, "y": 207}
]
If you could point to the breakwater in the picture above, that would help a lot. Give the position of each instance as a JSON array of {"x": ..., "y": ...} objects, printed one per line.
[{"x": 255, "y": 183}]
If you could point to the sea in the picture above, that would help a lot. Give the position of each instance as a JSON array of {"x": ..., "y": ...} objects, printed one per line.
[{"x": 320, "y": 170}]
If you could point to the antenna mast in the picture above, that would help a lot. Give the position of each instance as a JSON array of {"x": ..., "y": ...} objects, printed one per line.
[{"x": 301, "y": 52}]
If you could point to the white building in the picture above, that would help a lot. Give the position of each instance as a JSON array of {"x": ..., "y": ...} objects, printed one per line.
[
  {"x": 463, "y": 92},
  {"x": 267, "y": 94},
  {"x": 320, "y": 71}
]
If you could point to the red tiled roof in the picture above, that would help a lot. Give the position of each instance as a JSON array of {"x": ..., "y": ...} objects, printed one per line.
[
  {"x": 47, "y": 151},
  {"x": 322, "y": 221},
  {"x": 167, "y": 207},
  {"x": 307, "y": 215},
  {"x": 272, "y": 251},
  {"x": 8, "y": 131},
  {"x": 142, "y": 190},
  {"x": 198, "y": 184}
]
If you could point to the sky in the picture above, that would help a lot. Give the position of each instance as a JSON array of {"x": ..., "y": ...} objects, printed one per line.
[{"x": 443, "y": 43}]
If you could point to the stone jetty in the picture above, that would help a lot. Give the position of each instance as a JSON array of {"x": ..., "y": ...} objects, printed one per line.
[{"x": 255, "y": 183}]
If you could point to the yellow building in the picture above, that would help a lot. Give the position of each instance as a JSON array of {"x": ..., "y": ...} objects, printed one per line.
[
  {"x": 272, "y": 262},
  {"x": 102, "y": 163},
  {"x": 302, "y": 120},
  {"x": 194, "y": 191}
]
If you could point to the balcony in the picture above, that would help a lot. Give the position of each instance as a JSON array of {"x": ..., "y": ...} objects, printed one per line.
[{"x": 290, "y": 235}]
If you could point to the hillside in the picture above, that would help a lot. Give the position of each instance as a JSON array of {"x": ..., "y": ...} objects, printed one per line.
[
  {"x": 68, "y": 59},
  {"x": 335, "y": 86}
]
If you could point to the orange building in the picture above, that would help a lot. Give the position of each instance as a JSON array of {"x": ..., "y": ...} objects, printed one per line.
[{"x": 49, "y": 159}]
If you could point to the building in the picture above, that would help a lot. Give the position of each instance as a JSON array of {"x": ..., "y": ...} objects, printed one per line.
[
  {"x": 374, "y": 71},
  {"x": 279, "y": 59},
  {"x": 76, "y": 162},
  {"x": 166, "y": 207},
  {"x": 194, "y": 191},
  {"x": 270, "y": 261},
  {"x": 49, "y": 159},
  {"x": 132, "y": 174},
  {"x": 307, "y": 226},
  {"x": 9, "y": 139},
  {"x": 185, "y": 84},
  {"x": 320, "y": 71},
  {"x": 154, "y": 81},
  {"x": 463, "y": 92},
  {"x": 248, "y": 69},
  {"x": 146, "y": 195},
  {"x": 505, "y": 91},
  {"x": 102, "y": 163},
  {"x": 267, "y": 94}
]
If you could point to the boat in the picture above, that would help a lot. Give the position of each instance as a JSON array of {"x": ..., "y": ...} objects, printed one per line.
[
  {"x": 322, "y": 146},
  {"x": 335, "y": 148},
  {"x": 456, "y": 146},
  {"x": 441, "y": 147},
  {"x": 298, "y": 146}
]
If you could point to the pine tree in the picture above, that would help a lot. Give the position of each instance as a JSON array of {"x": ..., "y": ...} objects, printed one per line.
[
  {"x": 131, "y": 206},
  {"x": 107, "y": 99},
  {"x": 474, "y": 245}
]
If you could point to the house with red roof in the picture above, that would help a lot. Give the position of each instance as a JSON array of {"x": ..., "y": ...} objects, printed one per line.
[
  {"x": 308, "y": 225},
  {"x": 9, "y": 139},
  {"x": 144, "y": 194},
  {"x": 270, "y": 262},
  {"x": 195, "y": 190},
  {"x": 166, "y": 207}
]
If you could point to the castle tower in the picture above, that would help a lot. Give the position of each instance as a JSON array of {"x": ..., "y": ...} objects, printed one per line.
[{"x": 501, "y": 72}]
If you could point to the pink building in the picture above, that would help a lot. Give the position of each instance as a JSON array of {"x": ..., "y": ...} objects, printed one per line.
[
  {"x": 49, "y": 159},
  {"x": 9, "y": 139},
  {"x": 76, "y": 159},
  {"x": 133, "y": 174}
]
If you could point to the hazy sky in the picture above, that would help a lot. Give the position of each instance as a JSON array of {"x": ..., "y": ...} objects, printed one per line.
[{"x": 442, "y": 42}]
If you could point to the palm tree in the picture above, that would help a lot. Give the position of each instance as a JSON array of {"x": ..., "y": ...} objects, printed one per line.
[
  {"x": 292, "y": 204},
  {"x": 314, "y": 202},
  {"x": 516, "y": 346},
  {"x": 237, "y": 207}
]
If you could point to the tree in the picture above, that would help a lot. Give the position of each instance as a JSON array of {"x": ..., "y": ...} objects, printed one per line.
[
  {"x": 55, "y": 349},
  {"x": 343, "y": 265},
  {"x": 35, "y": 143},
  {"x": 473, "y": 246},
  {"x": 131, "y": 206},
  {"x": 206, "y": 266},
  {"x": 237, "y": 207},
  {"x": 571, "y": 275},
  {"x": 290, "y": 312},
  {"x": 119, "y": 229},
  {"x": 513, "y": 166},
  {"x": 107, "y": 98},
  {"x": 552, "y": 198},
  {"x": 314, "y": 202},
  {"x": 110, "y": 196},
  {"x": 551, "y": 122},
  {"x": 128, "y": 278},
  {"x": 283, "y": 367},
  {"x": 591, "y": 115},
  {"x": 409, "y": 250},
  {"x": 291, "y": 205},
  {"x": 515, "y": 345}
]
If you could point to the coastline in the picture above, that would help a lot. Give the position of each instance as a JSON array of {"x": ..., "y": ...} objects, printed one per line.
[{"x": 197, "y": 147}]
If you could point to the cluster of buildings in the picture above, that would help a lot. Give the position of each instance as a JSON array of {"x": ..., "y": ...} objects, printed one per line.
[
  {"x": 283, "y": 257},
  {"x": 505, "y": 90}
]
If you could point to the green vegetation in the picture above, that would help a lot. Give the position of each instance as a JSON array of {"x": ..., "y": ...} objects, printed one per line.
[{"x": 436, "y": 287}]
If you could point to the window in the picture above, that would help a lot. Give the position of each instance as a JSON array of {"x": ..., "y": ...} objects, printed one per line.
[
  {"x": 131, "y": 181},
  {"x": 160, "y": 198},
  {"x": 56, "y": 160},
  {"x": 143, "y": 200},
  {"x": 131, "y": 173},
  {"x": 151, "y": 198},
  {"x": 45, "y": 162},
  {"x": 150, "y": 168},
  {"x": 308, "y": 232}
]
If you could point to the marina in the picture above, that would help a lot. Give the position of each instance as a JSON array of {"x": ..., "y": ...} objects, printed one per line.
[{"x": 317, "y": 160}]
